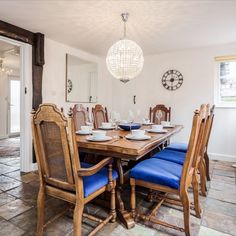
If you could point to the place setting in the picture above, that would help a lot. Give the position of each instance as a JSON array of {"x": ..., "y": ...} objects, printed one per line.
[
  {"x": 167, "y": 124},
  {"x": 84, "y": 130},
  {"x": 138, "y": 135},
  {"x": 107, "y": 126},
  {"x": 157, "y": 129},
  {"x": 99, "y": 136}
]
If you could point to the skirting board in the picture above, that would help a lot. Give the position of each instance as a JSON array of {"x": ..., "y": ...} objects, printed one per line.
[{"x": 222, "y": 157}]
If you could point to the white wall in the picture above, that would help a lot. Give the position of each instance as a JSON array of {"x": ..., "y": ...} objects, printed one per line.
[
  {"x": 196, "y": 65},
  {"x": 54, "y": 75},
  {"x": 3, "y": 105},
  {"x": 199, "y": 70}
]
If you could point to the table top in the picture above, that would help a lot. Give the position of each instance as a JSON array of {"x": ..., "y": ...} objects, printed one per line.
[{"x": 120, "y": 147}]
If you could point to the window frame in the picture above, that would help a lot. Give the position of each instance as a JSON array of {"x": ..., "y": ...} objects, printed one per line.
[{"x": 217, "y": 98}]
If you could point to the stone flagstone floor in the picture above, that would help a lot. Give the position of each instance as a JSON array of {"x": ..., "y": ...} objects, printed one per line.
[{"x": 18, "y": 193}]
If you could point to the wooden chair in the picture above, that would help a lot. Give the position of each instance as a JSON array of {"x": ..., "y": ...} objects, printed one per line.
[
  {"x": 181, "y": 148},
  {"x": 61, "y": 173},
  {"x": 81, "y": 115},
  {"x": 206, "y": 157},
  {"x": 99, "y": 115},
  {"x": 170, "y": 177},
  {"x": 159, "y": 113}
]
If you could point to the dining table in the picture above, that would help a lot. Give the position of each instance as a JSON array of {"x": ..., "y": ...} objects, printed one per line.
[{"x": 123, "y": 150}]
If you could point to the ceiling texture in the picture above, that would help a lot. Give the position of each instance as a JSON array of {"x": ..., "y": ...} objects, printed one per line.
[{"x": 157, "y": 26}]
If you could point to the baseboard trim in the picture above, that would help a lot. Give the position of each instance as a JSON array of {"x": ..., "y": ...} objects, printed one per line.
[
  {"x": 3, "y": 136},
  {"x": 222, "y": 157},
  {"x": 34, "y": 166}
]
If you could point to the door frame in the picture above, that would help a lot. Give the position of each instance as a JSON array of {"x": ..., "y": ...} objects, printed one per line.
[{"x": 26, "y": 160}]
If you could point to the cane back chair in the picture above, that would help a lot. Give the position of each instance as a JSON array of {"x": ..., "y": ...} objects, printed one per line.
[
  {"x": 61, "y": 173},
  {"x": 80, "y": 115},
  {"x": 170, "y": 177},
  {"x": 99, "y": 115},
  {"x": 159, "y": 113}
]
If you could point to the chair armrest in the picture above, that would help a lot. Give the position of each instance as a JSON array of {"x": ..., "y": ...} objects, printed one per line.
[{"x": 94, "y": 169}]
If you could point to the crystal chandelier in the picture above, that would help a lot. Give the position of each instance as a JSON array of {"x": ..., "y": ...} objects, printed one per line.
[{"x": 125, "y": 57}]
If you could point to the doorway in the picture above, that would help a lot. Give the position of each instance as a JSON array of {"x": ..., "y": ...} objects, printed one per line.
[
  {"x": 16, "y": 101},
  {"x": 14, "y": 107}
]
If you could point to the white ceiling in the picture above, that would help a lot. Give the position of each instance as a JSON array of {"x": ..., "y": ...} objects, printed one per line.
[{"x": 157, "y": 26}]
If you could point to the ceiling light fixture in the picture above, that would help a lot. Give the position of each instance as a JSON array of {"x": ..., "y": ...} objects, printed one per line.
[{"x": 125, "y": 58}]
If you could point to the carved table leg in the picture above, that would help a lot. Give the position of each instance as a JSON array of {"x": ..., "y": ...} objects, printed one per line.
[{"x": 123, "y": 214}]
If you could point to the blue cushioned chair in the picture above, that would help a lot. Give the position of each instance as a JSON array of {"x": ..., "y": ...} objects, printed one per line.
[
  {"x": 183, "y": 147},
  {"x": 171, "y": 155},
  {"x": 61, "y": 173},
  {"x": 180, "y": 147},
  {"x": 171, "y": 178},
  {"x": 176, "y": 153}
]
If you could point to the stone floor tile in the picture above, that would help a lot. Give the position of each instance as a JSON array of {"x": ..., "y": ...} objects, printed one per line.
[
  {"x": 204, "y": 231},
  {"x": 5, "y": 198},
  {"x": 28, "y": 220},
  {"x": 223, "y": 179},
  {"x": 223, "y": 173},
  {"x": 9, "y": 229},
  {"x": 138, "y": 230},
  {"x": 220, "y": 207},
  {"x": 25, "y": 192},
  {"x": 222, "y": 223},
  {"x": 5, "y": 160},
  {"x": 60, "y": 227},
  {"x": 223, "y": 196},
  {"x": 7, "y": 183},
  {"x": 13, "y": 208},
  {"x": 6, "y": 169}
]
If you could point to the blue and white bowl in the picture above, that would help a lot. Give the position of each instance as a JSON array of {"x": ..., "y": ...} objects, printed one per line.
[{"x": 127, "y": 126}]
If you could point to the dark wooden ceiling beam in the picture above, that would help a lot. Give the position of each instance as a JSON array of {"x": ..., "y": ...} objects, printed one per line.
[{"x": 37, "y": 42}]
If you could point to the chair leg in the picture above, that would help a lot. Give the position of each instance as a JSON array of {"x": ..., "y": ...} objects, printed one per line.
[
  {"x": 113, "y": 202},
  {"x": 78, "y": 214},
  {"x": 197, "y": 207},
  {"x": 40, "y": 210},
  {"x": 206, "y": 158},
  {"x": 202, "y": 178},
  {"x": 186, "y": 208},
  {"x": 132, "y": 197}
]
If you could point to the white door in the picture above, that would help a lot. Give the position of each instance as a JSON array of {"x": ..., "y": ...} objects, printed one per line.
[{"x": 14, "y": 111}]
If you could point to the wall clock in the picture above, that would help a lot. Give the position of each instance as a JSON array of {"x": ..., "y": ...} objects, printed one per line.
[{"x": 172, "y": 79}]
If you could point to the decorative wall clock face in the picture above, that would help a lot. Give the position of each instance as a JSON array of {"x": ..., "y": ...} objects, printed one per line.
[
  {"x": 172, "y": 79},
  {"x": 69, "y": 85}
]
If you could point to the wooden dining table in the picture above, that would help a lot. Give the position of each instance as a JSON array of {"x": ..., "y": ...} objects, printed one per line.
[{"x": 123, "y": 149}]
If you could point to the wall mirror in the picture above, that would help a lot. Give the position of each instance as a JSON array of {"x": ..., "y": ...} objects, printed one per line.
[{"x": 81, "y": 80}]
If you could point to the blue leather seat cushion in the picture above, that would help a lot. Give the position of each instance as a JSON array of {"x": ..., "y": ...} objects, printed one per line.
[
  {"x": 170, "y": 155},
  {"x": 94, "y": 182},
  {"x": 181, "y": 147},
  {"x": 158, "y": 171}
]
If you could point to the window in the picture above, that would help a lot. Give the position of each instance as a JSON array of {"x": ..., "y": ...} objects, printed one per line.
[{"x": 226, "y": 81}]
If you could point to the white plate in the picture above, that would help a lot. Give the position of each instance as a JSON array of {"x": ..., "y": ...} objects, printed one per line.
[
  {"x": 157, "y": 131},
  {"x": 84, "y": 132},
  {"x": 103, "y": 139},
  {"x": 150, "y": 123},
  {"x": 107, "y": 128},
  {"x": 168, "y": 126},
  {"x": 132, "y": 137}
]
